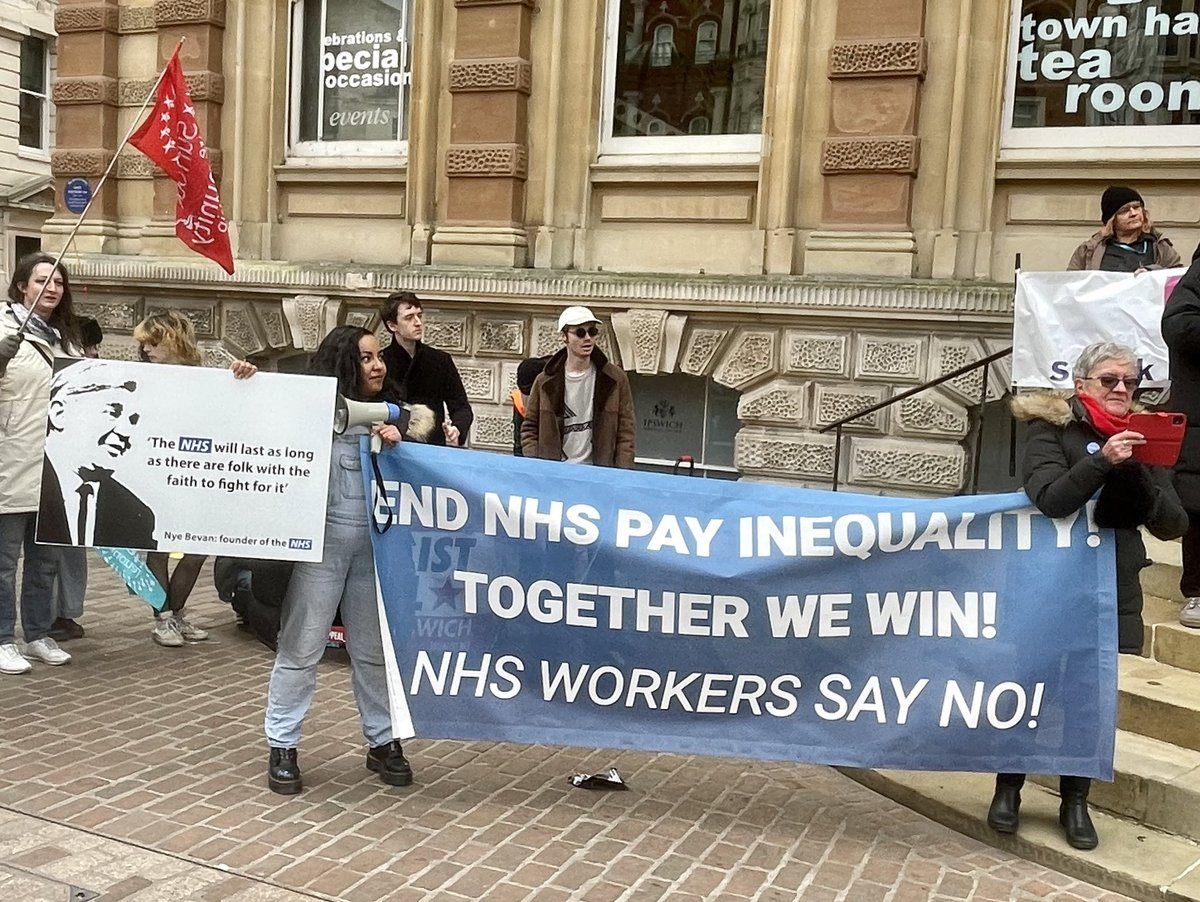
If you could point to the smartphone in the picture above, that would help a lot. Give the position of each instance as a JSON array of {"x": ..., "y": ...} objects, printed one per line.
[{"x": 1164, "y": 436}]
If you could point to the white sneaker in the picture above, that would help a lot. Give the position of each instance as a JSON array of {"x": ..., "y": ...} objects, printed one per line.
[
  {"x": 47, "y": 651},
  {"x": 1190, "y": 615},
  {"x": 189, "y": 631},
  {"x": 11, "y": 660},
  {"x": 166, "y": 632}
]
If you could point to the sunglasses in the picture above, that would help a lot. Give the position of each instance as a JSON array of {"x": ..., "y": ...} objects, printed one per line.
[
  {"x": 590, "y": 331},
  {"x": 1110, "y": 382}
]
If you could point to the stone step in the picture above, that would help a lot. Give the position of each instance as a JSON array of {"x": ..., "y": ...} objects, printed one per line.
[
  {"x": 1159, "y": 701},
  {"x": 1162, "y": 579},
  {"x": 1154, "y": 783},
  {"x": 1133, "y": 859},
  {"x": 1156, "y": 609},
  {"x": 1173, "y": 644}
]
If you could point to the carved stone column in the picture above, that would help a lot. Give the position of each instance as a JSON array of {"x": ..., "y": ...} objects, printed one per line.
[
  {"x": 202, "y": 25},
  {"x": 85, "y": 97},
  {"x": 487, "y": 159},
  {"x": 869, "y": 159}
]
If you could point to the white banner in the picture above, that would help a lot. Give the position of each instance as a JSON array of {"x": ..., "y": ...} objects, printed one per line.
[
  {"x": 1058, "y": 314},
  {"x": 182, "y": 458}
]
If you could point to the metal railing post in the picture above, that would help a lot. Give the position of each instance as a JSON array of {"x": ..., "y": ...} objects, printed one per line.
[{"x": 837, "y": 455}]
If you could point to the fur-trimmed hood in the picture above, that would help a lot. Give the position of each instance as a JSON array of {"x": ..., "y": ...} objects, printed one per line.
[
  {"x": 1058, "y": 408},
  {"x": 1054, "y": 407}
]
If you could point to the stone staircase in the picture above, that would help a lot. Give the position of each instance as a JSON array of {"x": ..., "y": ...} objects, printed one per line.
[{"x": 1148, "y": 818}]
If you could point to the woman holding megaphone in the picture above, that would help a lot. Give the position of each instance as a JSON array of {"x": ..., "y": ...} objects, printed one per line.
[{"x": 345, "y": 577}]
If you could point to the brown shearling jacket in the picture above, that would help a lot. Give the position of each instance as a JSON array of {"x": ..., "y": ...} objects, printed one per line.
[{"x": 613, "y": 424}]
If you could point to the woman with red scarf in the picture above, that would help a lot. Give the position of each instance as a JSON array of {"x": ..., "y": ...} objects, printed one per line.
[{"x": 1079, "y": 445}]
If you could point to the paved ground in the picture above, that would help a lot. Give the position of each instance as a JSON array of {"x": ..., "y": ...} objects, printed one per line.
[{"x": 137, "y": 773}]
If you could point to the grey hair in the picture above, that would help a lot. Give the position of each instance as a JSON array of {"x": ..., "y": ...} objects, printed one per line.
[{"x": 1093, "y": 354}]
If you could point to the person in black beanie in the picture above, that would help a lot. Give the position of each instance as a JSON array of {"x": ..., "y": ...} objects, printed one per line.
[{"x": 1127, "y": 241}]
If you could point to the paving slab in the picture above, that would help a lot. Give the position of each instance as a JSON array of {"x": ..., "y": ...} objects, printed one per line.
[{"x": 138, "y": 772}]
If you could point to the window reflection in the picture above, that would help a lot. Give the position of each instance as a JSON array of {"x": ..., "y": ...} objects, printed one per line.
[{"x": 682, "y": 62}]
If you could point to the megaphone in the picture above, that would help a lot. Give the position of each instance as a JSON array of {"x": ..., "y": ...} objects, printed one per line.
[{"x": 415, "y": 421}]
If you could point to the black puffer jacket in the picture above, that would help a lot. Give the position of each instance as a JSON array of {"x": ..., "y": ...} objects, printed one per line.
[
  {"x": 1063, "y": 468},
  {"x": 1181, "y": 331}
]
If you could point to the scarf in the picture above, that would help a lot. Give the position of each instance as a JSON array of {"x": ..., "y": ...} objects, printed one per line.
[
  {"x": 1102, "y": 421},
  {"x": 36, "y": 325}
]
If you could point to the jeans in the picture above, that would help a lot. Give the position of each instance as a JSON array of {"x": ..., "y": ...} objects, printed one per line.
[
  {"x": 345, "y": 576},
  {"x": 37, "y": 581},
  {"x": 70, "y": 585}
]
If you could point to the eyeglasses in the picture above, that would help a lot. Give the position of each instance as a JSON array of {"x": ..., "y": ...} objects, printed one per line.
[
  {"x": 590, "y": 331},
  {"x": 1110, "y": 382}
]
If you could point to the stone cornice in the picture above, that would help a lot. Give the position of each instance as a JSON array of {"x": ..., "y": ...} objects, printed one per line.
[{"x": 982, "y": 303}]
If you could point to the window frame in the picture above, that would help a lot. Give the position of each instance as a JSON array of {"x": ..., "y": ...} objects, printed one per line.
[
  {"x": 298, "y": 149},
  {"x": 710, "y": 51},
  {"x": 665, "y": 148},
  {"x": 1116, "y": 142},
  {"x": 42, "y": 149}
]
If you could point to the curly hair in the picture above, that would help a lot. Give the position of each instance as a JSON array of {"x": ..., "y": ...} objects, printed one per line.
[
  {"x": 337, "y": 356},
  {"x": 171, "y": 331},
  {"x": 63, "y": 318}
]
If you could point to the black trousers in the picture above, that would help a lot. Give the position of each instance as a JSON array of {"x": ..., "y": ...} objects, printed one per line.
[
  {"x": 1068, "y": 787},
  {"x": 1189, "y": 583}
]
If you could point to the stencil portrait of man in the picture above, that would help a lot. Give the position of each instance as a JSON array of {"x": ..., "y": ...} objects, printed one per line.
[{"x": 91, "y": 426}]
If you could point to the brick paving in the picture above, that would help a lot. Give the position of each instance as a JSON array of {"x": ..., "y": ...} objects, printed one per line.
[{"x": 137, "y": 772}]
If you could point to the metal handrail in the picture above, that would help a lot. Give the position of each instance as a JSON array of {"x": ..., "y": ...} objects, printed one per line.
[{"x": 984, "y": 362}]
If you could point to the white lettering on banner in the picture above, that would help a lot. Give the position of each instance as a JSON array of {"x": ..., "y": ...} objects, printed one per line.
[
  {"x": 869, "y": 701},
  {"x": 682, "y": 613},
  {"x": 859, "y": 535},
  {"x": 855, "y": 535},
  {"x": 886, "y": 700},
  {"x": 695, "y": 692},
  {"x": 927, "y": 612},
  {"x": 970, "y": 710}
]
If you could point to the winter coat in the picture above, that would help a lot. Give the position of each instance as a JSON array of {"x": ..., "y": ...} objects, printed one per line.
[
  {"x": 1090, "y": 254},
  {"x": 1181, "y": 332},
  {"x": 24, "y": 402},
  {"x": 1062, "y": 468},
  {"x": 429, "y": 377},
  {"x": 612, "y": 413}
]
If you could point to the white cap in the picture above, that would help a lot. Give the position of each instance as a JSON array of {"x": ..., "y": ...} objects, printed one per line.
[{"x": 575, "y": 316}]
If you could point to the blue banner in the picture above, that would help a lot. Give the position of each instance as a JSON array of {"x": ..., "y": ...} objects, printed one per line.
[{"x": 538, "y": 602}]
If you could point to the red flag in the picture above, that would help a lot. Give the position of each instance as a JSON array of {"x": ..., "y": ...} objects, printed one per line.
[{"x": 171, "y": 138}]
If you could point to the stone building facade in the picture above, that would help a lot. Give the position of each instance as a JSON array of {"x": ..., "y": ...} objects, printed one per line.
[
  {"x": 783, "y": 212},
  {"x": 27, "y": 66}
]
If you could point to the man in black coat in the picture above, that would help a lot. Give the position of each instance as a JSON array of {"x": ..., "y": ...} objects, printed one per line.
[
  {"x": 1181, "y": 331},
  {"x": 419, "y": 374}
]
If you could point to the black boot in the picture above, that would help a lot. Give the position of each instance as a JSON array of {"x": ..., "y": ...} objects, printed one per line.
[
  {"x": 283, "y": 772},
  {"x": 1004, "y": 813},
  {"x": 1077, "y": 823},
  {"x": 389, "y": 762}
]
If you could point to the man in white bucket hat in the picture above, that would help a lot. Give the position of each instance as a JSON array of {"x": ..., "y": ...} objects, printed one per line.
[{"x": 581, "y": 407}]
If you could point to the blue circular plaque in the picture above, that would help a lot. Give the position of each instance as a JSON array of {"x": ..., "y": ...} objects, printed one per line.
[{"x": 77, "y": 193}]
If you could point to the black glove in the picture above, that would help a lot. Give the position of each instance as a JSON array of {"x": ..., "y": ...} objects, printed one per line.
[{"x": 9, "y": 345}]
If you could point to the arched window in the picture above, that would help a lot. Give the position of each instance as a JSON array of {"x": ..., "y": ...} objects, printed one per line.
[
  {"x": 698, "y": 126},
  {"x": 706, "y": 43},
  {"x": 664, "y": 46}
]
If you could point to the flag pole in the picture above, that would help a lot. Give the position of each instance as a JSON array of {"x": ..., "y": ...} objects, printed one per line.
[{"x": 137, "y": 119}]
